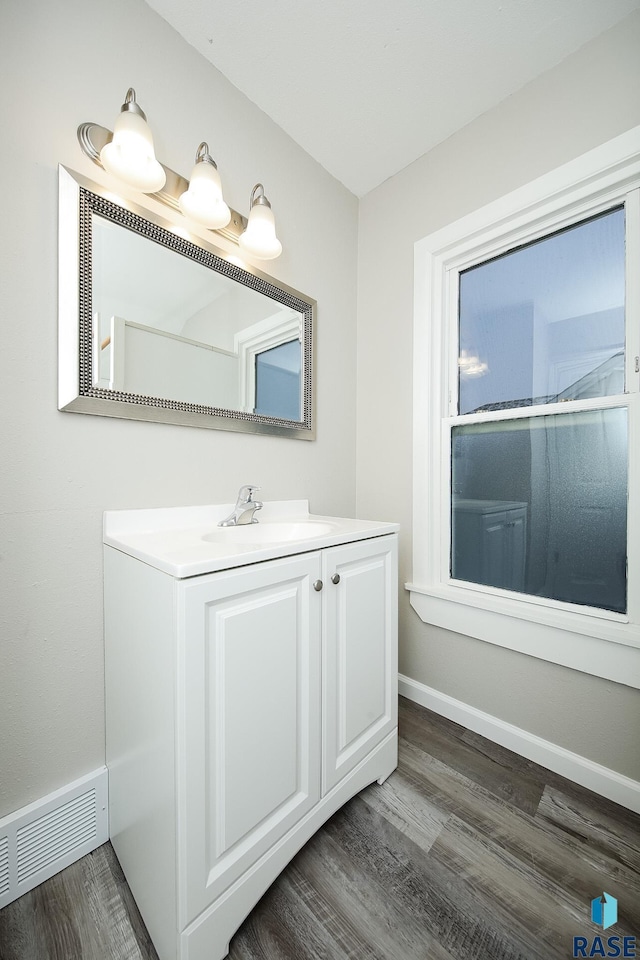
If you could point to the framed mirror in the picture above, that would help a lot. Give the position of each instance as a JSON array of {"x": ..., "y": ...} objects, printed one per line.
[{"x": 159, "y": 324}]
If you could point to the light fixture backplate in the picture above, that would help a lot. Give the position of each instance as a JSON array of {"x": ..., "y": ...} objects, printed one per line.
[{"x": 92, "y": 138}]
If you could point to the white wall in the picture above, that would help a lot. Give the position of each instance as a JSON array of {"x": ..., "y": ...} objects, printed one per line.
[
  {"x": 71, "y": 62},
  {"x": 589, "y": 98},
  {"x": 66, "y": 63}
]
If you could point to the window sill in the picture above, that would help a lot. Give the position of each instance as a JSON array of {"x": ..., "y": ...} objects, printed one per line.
[{"x": 605, "y": 647}]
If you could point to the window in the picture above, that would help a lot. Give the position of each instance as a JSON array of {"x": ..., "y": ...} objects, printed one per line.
[
  {"x": 527, "y": 338},
  {"x": 278, "y": 383},
  {"x": 539, "y": 503},
  {"x": 545, "y": 322}
]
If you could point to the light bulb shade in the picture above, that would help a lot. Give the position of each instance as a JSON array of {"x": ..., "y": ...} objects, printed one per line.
[
  {"x": 130, "y": 156},
  {"x": 259, "y": 239},
  {"x": 203, "y": 200}
]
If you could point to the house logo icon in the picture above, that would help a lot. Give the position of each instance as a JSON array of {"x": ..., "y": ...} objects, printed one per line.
[
  {"x": 604, "y": 910},
  {"x": 604, "y": 913}
]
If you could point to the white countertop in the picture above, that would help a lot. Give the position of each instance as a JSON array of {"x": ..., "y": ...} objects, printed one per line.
[{"x": 172, "y": 539}]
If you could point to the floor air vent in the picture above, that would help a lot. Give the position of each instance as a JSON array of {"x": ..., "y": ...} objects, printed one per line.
[
  {"x": 45, "y": 837},
  {"x": 4, "y": 866}
]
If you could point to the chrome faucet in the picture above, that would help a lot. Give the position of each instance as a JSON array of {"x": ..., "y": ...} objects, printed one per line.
[{"x": 245, "y": 507}]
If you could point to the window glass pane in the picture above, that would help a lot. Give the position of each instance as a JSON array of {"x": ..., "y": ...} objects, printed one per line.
[
  {"x": 278, "y": 381},
  {"x": 540, "y": 506},
  {"x": 545, "y": 322}
]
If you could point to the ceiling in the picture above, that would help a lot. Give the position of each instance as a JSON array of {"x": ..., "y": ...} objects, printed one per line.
[{"x": 368, "y": 86}]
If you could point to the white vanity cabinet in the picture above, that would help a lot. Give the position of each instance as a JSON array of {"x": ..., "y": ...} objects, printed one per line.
[
  {"x": 249, "y": 652},
  {"x": 244, "y": 707},
  {"x": 359, "y": 627}
]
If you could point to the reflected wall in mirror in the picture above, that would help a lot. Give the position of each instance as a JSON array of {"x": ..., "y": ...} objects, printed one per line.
[{"x": 154, "y": 326}]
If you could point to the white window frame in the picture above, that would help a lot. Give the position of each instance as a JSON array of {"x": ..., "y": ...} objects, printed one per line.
[
  {"x": 253, "y": 340},
  {"x": 594, "y": 641}
]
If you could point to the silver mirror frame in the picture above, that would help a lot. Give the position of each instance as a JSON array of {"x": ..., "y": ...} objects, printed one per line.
[{"x": 79, "y": 198}]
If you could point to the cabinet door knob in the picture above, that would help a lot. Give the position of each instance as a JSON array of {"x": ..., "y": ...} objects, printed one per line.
[
  {"x": 335, "y": 578},
  {"x": 318, "y": 585}
]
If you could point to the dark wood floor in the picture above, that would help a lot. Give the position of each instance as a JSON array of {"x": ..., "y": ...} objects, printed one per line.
[{"x": 468, "y": 851}]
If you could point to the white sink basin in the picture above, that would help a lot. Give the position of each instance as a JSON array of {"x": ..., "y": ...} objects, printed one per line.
[
  {"x": 187, "y": 541},
  {"x": 270, "y": 531}
]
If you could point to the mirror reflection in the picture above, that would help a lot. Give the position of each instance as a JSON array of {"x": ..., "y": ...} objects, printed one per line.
[
  {"x": 156, "y": 323},
  {"x": 170, "y": 327}
]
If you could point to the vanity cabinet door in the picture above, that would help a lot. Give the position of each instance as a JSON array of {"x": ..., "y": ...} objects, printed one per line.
[
  {"x": 359, "y": 642},
  {"x": 248, "y": 718}
]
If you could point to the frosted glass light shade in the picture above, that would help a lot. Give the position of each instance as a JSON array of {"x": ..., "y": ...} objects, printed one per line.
[
  {"x": 259, "y": 239},
  {"x": 203, "y": 200},
  {"x": 130, "y": 156}
]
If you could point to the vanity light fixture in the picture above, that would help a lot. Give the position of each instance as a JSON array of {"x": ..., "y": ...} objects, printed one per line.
[
  {"x": 203, "y": 201},
  {"x": 130, "y": 155},
  {"x": 259, "y": 239}
]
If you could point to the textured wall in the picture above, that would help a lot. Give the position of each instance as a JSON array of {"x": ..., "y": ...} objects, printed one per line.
[
  {"x": 72, "y": 62},
  {"x": 588, "y": 99}
]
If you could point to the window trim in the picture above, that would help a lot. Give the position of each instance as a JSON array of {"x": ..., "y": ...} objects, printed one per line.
[{"x": 598, "y": 642}]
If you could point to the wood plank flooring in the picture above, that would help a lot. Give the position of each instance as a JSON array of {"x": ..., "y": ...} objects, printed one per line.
[{"x": 468, "y": 851}]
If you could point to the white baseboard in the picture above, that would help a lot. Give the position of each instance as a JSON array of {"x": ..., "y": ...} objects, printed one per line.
[
  {"x": 43, "y": 838},
  {"x": 594, "y": 776}
]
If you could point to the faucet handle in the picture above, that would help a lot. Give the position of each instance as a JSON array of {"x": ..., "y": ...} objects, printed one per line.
[{"x": 246, "y": 492}]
